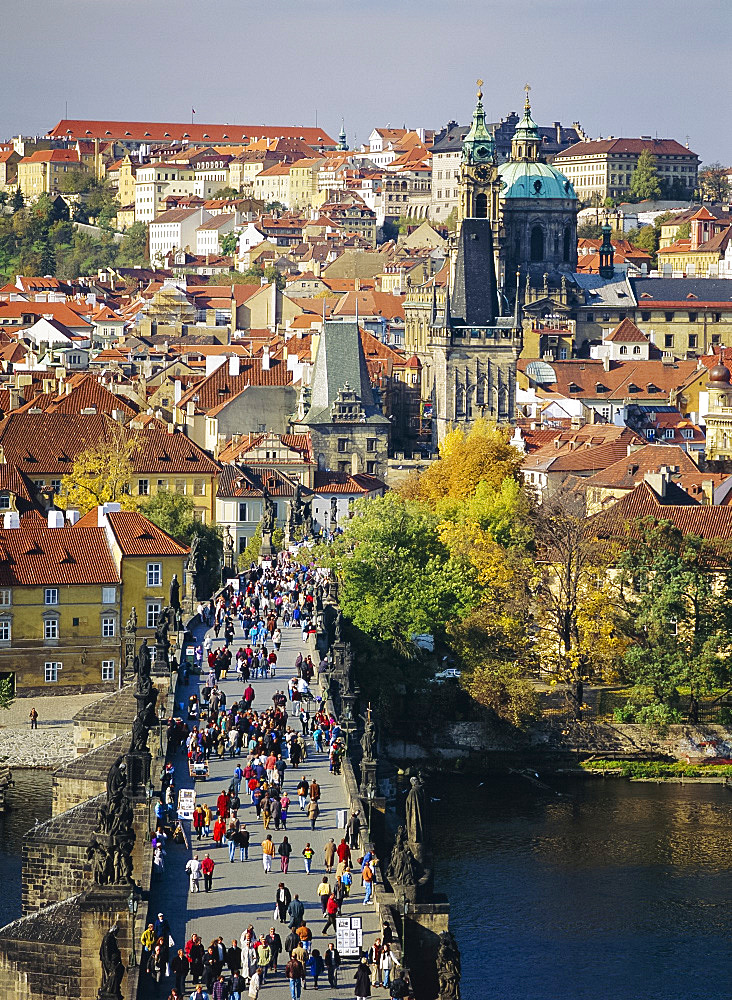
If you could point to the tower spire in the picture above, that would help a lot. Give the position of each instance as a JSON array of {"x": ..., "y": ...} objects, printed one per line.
[{"x": 526, "y": 139}]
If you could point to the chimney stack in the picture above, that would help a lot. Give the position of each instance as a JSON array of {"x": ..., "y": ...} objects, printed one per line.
[{"x": 234, "y": 367}]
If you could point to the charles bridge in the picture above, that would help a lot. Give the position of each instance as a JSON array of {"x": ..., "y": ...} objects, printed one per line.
[{"x": 87, "y": 871}]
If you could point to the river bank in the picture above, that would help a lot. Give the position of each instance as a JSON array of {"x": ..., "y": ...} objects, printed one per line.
[{"x": 49, "y": 745}]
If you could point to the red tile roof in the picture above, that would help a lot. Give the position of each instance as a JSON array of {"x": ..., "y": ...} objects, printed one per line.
[
  {"x": 704, "y": 520},
  {"x": 626, "y": 473},
  {"x": 343, "y": 482},
  {"x": 220, "y": 387},
  {"x": 627, "y": 332},
  {"x": 663, "y": 147},
  {"x": 36, "y": 555},
  {"x": 175, "y": 131},
  {"x": 137, "y": 536}
]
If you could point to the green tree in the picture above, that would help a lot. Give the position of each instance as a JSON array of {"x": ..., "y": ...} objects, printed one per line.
[
  {"x": 714, "y": 182},
  {"x": 18, "y": 201},
  {"x": 7, "y": 697},
  {"x": 75, "y": 182},
  {"x": 174, "y": 513},
  {"x": 228, "y": 244},
  {"x": 589, "y": 231},
  {"x": 225, "y": 193},
  {"x": 133, "y": 248},
  {"x": 645, "y": 238},
  {"x": 275, "y": 206},
  {"x": 398, "y": 577},
  {"x": 676, "y": 592},
  {"x": 684, "y": 231},
  {"x": 274, "y": 276},
  {"x": 644, "y": 182}
]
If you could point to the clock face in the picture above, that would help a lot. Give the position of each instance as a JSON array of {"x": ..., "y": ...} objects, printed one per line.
[{"x": 482, "y": 151}]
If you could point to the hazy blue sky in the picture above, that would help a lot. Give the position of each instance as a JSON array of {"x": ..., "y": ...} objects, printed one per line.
[{"x": 620, "y": 67}]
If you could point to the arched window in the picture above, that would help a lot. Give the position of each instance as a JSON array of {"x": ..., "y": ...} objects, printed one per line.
[
  {"x": 623, "y": 350},
  {"x": 636, "y": 350},
  {"x": 556, "y": 245},
  {"x": 537, "y": 244},
  {"x": 481, "y": 206},
  {"x": 567, "y": 240}
]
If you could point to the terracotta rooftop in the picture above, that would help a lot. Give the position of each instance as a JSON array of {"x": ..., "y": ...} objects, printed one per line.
[{"x": 35, "y": 555}]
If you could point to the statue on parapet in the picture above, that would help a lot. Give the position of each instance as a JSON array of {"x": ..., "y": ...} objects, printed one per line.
[
  {"x": 112, "y": 968},
  {"x": 401, "y": 870},
  {"x": 416, "y": 817},
  {"x": 448, "y": 967}
]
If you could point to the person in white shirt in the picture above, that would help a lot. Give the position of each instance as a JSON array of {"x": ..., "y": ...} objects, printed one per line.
[{"x": 194, "y": 870}]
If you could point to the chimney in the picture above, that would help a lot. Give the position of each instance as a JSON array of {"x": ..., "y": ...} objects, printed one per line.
[
  {"x": 606, "y": 363},
  {"x": 55, "y": 519},
  {"x": 103, "y": 510},
  {"x": 11, "y": 519},
  {"x": 357, "y": 284},
  {"x": 658, "y": 481},
  {"x": 72, "y": 516},
  {"x": 265, "y": 358},
  {"x": 557, "y": 132},
  {"x": 14, "y": 399},
  {"x": 708, "y": 491},
  {"x": 233, "y": 365}
]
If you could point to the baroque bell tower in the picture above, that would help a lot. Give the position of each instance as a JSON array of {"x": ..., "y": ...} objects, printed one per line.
[{"x": 479, "y": 181}]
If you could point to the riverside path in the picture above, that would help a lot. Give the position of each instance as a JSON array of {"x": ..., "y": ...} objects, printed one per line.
[{"x": 242, "y": 893}]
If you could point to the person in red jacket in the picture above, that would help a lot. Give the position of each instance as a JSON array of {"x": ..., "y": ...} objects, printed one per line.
[
  {"x": 344, "y": 852},
  {"x": 331, "y": 910},
  {"x": 207, "y": 867},
  {"x": 222, "y": 805}
]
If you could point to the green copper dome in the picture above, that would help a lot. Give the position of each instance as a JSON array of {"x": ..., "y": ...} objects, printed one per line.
[{"x": 533, "y": 179}]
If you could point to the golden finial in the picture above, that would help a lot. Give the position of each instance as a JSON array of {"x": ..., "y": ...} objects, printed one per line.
[
  {"x": 527, "y": 105},
  {"x": 480, "y": 91}
]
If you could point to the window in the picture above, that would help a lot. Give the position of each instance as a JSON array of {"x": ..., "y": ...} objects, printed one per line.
[
  {"x": 693, "y": 340},
  {"x": 623, "y": 349},
  {"x": 50, "y": 595},
  {"x": 4, "y": 501},
  {"x": 51, "y": 671},
  {"x": 371, "y": 468},
  {"x": 154, "y": 575},
  {"x": 342, "y": 444},
  {"x": 109, "y": 595},
  {"x": 199, "y": 487},
  {"x": 162, "y": 485},
  {"x": 143, "y": 487},
  {"x": 668, "y": 340},
  {"x": 370, "y": 444},
  {"x": 6, "y": 632},
  {"x": 50, "y": 628},
  {"x": 692, "y": 317},
  {"x": 180, "y": 486},
  {"x": 107, "y": 670},
  {"x": 243, "y": 512},
  {"x": 153, "y": 613},
  {"x": 6, "y": 597},
  {"x": 636, "y": 349},
  {"x": 108, "y": 628},
  {"x": 590, "y": 317},
  {"x": 669, "y": 432},
  {"x": 669, "y": 317},
  {"x": 645, "y": 316},
  {"x": 537, "y": 243}
]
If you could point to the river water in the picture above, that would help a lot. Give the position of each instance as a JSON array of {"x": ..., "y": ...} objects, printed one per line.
[
  {"x": 612, "y": 890},
  {"x": 29, "y": 800}
]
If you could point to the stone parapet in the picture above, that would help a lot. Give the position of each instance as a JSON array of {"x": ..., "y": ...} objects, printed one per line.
[{"x": 86, "y": 776}]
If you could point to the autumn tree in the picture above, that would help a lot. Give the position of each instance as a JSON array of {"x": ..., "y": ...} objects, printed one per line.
[
  {"x": 102, "y": 473},
  {"x": 714, "y": 182},
  {"x": 645, "y": 184}
]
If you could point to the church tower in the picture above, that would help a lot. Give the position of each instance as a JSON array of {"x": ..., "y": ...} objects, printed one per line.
[
  {"x": 473, "y": 347},
  {"x": 479, "y": 182}
]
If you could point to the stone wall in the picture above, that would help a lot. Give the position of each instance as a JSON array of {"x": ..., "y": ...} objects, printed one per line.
[
  {"x": 55, "y": 865},
  {"x": 41, "y": 954},
  {"x": 105, "y": 719},
  {"x": 85, "y": 777}
]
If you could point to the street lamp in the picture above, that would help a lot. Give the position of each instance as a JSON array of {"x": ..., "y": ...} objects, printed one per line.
[
  {"x": 370, "y": 796},
  {"x": 149, "y": 792},
  {"x": 405, "y": 910},
  {"x": 132, "y": 904},
  {"x": 161, "y": 719}
]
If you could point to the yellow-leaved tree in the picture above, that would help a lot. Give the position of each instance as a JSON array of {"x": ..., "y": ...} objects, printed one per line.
[{"x": 102, "y": 473}]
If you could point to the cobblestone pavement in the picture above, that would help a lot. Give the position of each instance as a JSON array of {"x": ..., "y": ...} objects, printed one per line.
[
  {"x": 242, "y": 893},
  {"x": 53, "y": 742}
]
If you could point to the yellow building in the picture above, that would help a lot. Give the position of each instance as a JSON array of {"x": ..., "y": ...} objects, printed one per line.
[
  {"x": 304, "y": 183},
  {"x": 126, "y": 182},
  {"x": 273, "y": 184},
  {"x": 41, "y": 172},
  {"x": 166, "y": 462},
  {"x": 147, "y": 558},
  {"x": 9, "y": 161}
]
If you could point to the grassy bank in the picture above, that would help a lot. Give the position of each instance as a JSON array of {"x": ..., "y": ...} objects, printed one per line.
[{"x": 657, "y": 769}]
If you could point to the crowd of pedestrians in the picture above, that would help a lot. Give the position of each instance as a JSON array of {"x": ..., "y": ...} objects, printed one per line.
[{"x": 269, "y": 746}]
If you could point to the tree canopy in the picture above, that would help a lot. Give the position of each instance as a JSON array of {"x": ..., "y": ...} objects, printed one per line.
[
  {"x": 645, "y": 184},
  {"x": 175, "y": 513},
  {"x": 714, "y": 182},
  {"x": 101, "y": 474}
]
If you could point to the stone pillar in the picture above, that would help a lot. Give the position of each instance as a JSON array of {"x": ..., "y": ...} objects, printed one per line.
[
  {"x": 266, "y": 550},
  {"x": 138, "y": 770},
  {"x": 101, "y": 908}
]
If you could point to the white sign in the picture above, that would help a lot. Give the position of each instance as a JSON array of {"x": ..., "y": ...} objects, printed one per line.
[
  {"x": 186, "y": 803},
  {"x": 234, "y": 584},
  {"x": 349, "y": 936}
]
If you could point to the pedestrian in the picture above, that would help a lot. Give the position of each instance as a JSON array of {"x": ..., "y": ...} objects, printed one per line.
[
  {"x": 233, "y": 957},
  {"x": 156, "y": 965},
  {"x": 243, "y": 841},
  {"x": 237, "y": 986},
  {"x": 207, "y": 817},
  {"x": 194, "y": 870},
  {"x": 363, "y": 980},
  {"x": 307, "y": 853},
  {"x": 316, "y": 966},
  {"x": 368, "y": 883},
  {"x": 194, "y": 954},
  {"x": 198, "y": 821},
  {"x": 268, "y": 850},
  {"x": 374, "y": 957},
  {"x": 332, "y": 960},
  {"x": 274, "y": 942},
  {"x": 284, "y": 851},
  {"x": 254, "y": 984},
  {"x": 331, "y": 910},
  {"x": 284, "y": 806},
  {"x": 282, "y": 902},
  {"x": 232, "y": 839},
  {"x": 386, "y": 964},
  {"x": 302, "y": 792},
  {"x": 295, "y": 974},
  {"x": 207, "y": 868},
  {"x": 313, "y": 812},
  {"x": 329, "y": 853},
  {"x": 296, "y": 912},
  {"x": 33, "y": 716},
  {"x": 323, "y": 892},
  {"x": 220, "y": 989},
  {"x": 352, "y": 829}
]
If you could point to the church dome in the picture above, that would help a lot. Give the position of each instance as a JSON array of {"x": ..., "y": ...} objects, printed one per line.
[
  {"x": 720, "y": 375},
  {"x": 534, "y": 180}
]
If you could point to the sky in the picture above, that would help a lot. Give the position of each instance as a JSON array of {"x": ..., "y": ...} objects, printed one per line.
[{"x": 619, "y": 67}]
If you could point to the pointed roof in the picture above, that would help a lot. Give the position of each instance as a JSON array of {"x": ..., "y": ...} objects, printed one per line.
[
  {"x": 340, "y": 362},
  {"x": 478, "y": 145},
  {"x": 474, "y": 297},
  {"x": 527, "y": 129},
  {"x": 627, "y": 332}
]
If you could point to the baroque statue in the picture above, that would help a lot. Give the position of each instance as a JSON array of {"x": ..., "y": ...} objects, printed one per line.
[
  {"x": 448, "y": 967},
  {"x": 401, "y": 870},
  {"x": 416, "y": 816},
  {"x": 112, "y": 967}
]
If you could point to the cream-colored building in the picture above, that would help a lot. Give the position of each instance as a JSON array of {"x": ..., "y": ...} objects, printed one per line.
[
  {"x": 154, "y": 182},
  {"x": 603, "y": 168},
  {"x": 273, "y": 184},
  {"x": 41, "y": 172},
  {"x": 304, "y": 183}
]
